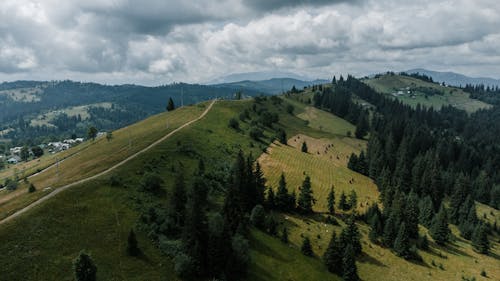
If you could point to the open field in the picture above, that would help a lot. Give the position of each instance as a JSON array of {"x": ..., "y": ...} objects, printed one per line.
[
  {"x": 46, "y": 118},
  {"x": 23, "y": 94},
  {"x": 99, "y": 155},
  {"x": 391, "y": 84}
]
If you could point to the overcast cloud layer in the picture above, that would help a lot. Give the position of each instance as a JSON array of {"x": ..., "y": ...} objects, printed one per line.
[{"x": 160, "y": 41}]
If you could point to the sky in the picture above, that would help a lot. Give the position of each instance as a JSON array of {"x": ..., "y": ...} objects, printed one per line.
[{"x": 153, "y": 42}]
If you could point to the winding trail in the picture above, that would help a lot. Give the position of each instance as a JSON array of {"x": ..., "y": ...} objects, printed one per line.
[{"x": 131, "y": 157}]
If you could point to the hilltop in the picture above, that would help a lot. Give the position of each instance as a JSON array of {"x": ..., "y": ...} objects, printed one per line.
[{"x": 98, "y": 214}]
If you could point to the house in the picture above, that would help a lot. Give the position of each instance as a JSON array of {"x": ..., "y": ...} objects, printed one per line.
[
  {"x": 16, "y": 150},
  {"x": 14, "y": 160}
]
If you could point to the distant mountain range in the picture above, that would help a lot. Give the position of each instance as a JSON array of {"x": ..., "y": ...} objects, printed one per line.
[
  {"x": 257, "y": 76},
  {"x": 455, "y": 79},
  {"x": 270, "y": 86}
]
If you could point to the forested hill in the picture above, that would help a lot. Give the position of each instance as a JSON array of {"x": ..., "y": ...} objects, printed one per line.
[{"x": 32, "y": 109}]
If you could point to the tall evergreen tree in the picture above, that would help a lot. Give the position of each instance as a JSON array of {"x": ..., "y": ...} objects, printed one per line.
[
  {"x": 260, "y": 184},
  {"x": 170, "y": 105},
  {"x": 282, "y": 195},
  {"x": 353, "y": 200},
  {"x": 362, "y": 127},
  {"x": 132, "y": 245},
  {"x": 271, "y": 199},
  {"x": 306, "y": 247},
  {"x": 439, "y": 230},
  {"x": 480, "y": 240},
  {"x": 332, "y": 257},
  {"x": 284, "y": 235},
  {"x": 343, "y": 202},
  {"x": 331, "y": 201},
  {"x": 402, "y": 242},
  {"x": 177, "y": 202},
  {"x": 426, "y": 211},
  {"x": 349, "y": 268},
  {"x": 350, "y": 235},
  {"x": 306, "y": 199},
  {"x": 304, "y": 147},
  {"x": 84, "y": 268},
  {"x": 411, "y": 214},
  {"x": 390, "y": 231}
]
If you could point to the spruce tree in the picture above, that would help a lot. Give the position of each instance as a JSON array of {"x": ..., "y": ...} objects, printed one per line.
[
  {"x": 306, "y": 199},
  {"x": 411, "y": 214},
  {"x": 353, "y": 200},
  {"x": 376, "y": 228},
  {"x": 132, "y": 245},
  {"x": 402, "y": 242},
  {"x": 271, "y": 200},
  {"x": 389, "y": 233},
  {"x": 349, "y": 268},
  {"x": 282, "y": 200},
  {"x": 426, "y": 211},
  {"x": 332, "y": 257},
  {"x": 284, "y": 235},
  {"x": 350, "y": 235},
  {"x": 170, "y": 105},
  {"x": 439, "y": 230},
  {"x": 362, "y": 127},
  {"x": 331, "y": 201},
  {"x": 260, "y": 184},
  {"x": 306, "y": 247},
  {"x": 84, "y": 267},
  {"x": 480, "y": 240},
  {"x": 343, "y": 202},
  {"x": 304, "y": 147}
]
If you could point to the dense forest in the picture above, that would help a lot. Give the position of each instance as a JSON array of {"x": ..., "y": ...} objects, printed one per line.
[{"x": 421, "y": 158}]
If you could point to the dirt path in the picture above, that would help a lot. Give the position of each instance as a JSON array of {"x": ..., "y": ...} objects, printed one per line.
[{"x": 62, "y": 188}]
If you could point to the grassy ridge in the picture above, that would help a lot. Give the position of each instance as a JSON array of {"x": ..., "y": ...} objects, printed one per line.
[{"x": 389, "y": 84}]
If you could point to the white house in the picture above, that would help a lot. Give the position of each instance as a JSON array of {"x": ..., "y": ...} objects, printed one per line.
[{"x": 13, "y": 160}]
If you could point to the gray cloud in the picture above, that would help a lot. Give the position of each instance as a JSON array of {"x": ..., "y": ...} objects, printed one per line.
[{"x": 156, "y": 41}]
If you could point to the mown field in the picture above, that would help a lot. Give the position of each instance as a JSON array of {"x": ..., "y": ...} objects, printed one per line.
[{"x": 389, "y": 84}]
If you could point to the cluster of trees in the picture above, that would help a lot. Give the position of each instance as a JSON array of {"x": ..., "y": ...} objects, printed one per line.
[
  {"x": 338, "y": 100},
  {"x": 285, "y": 201},
  {"x": 419, "y": 76},
  {"x": 487, "y": 94},
  {"x": 416, "y": 153}
]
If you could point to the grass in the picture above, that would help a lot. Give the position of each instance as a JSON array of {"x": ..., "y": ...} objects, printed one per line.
[
  {"x": 96, "y": 156},
  {"x": 389, "y": 84},
  {"x": 95, "y": 216}
]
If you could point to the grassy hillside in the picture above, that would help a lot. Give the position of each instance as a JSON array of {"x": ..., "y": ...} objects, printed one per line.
[
  {"x": 413, "y": 91},
  {"x": 97, "y": 216}
]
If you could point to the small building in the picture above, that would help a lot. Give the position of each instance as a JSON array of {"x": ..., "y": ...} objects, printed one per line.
[{"x": 14, "y": 160}]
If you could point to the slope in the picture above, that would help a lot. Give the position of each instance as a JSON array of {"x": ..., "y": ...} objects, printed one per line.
[{"x": 413, "y": 91}]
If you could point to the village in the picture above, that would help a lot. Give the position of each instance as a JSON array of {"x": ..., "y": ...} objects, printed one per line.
[{"x": 18, "y": 154}]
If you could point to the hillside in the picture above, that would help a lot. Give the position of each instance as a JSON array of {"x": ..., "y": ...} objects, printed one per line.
[
  {"x": 270, "y": 86},
  {"x": 414, "y": 91},
  {"x": 97, "y": 215},
  {"x": 456, "y": 79}
]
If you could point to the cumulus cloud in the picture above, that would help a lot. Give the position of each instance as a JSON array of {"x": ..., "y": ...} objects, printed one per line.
[{"x": 158, "y": 41}]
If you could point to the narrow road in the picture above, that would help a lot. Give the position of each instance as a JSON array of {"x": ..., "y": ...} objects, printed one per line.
[{"x": 131, "y": 157}]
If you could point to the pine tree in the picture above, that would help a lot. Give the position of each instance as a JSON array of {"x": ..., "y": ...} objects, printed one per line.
[
  {"x": 132, "y": 245},
  {"x": 350, "y": 235},
  {"x": 343, "y": 202},
  {"x": 439, "y": 230},
  {"x": 389, "y": 231},
  {"x": 426, "y": 211},
  {"x": 480, "y": 240},
  {"x": 402, "y": 242},
  {"x": 332, "y": 257},
  {"x": 284, "y": 235},
  {"x": 376, "y": 228},
  {"x": 306, "y": 199},
  {"x": 353, "y": 200},
  {"x": 362, "y": 127},
  {"x": 349, "y": 268},
  {"x": 282, "y": 195},
  {"x": 304, "y": 147},
  {"x": 411, "y": 214},
  {"x": 271, "y": 200},
  {"x": 458, "y": 197},
  {"x": 260, "y": 184},
  {"x": 84, "y": 267},
  {"x": 306, "y": 247},
  {"x": 170, "y": 105},
  {"x": 331, "y": 201}
]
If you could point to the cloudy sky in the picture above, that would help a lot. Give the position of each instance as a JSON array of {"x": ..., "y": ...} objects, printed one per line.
[{"x": 160, "y": 41}]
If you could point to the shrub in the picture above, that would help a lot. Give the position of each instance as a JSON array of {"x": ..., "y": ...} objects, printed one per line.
[{"x": 233, "y": 123}]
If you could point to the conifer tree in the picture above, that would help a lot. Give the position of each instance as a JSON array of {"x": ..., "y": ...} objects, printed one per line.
[
  {"x": 84, "y": 268},
  {"x": 284, "y": 235},
  {"x": 332, "y": 257},
  {"x": 353, "y": 200},
  {"x": 282, "y": 200},
  {"x": 177, "y": 202},
  {"x": 349, "y": 268},
  {"x": 132, "y": 245},
  {"x": 362, "y": 127},
  {"x": 306, "y": 199},
  {"x": 480, "y": 240},
  {"x": 343, "y": 202},
  {"x": 402, "y": 242},
  {"x": 426, "y": 211},
  {"x": 271, "y": 200},
  {"x": 331, "y": 201},
  {"x": 350, "y": 235},
  {"x": 306, "y": 247},
  {"x": 304, "y": 147},
  {"x": 260, "y": 184},
  {"x": 170, "y": 105},
  {"x": 411, "y": 214},
  {"x": 376, "y": 228},
  {"x": 389, "y": 231},
  {"x": 439, "y": 230}
]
